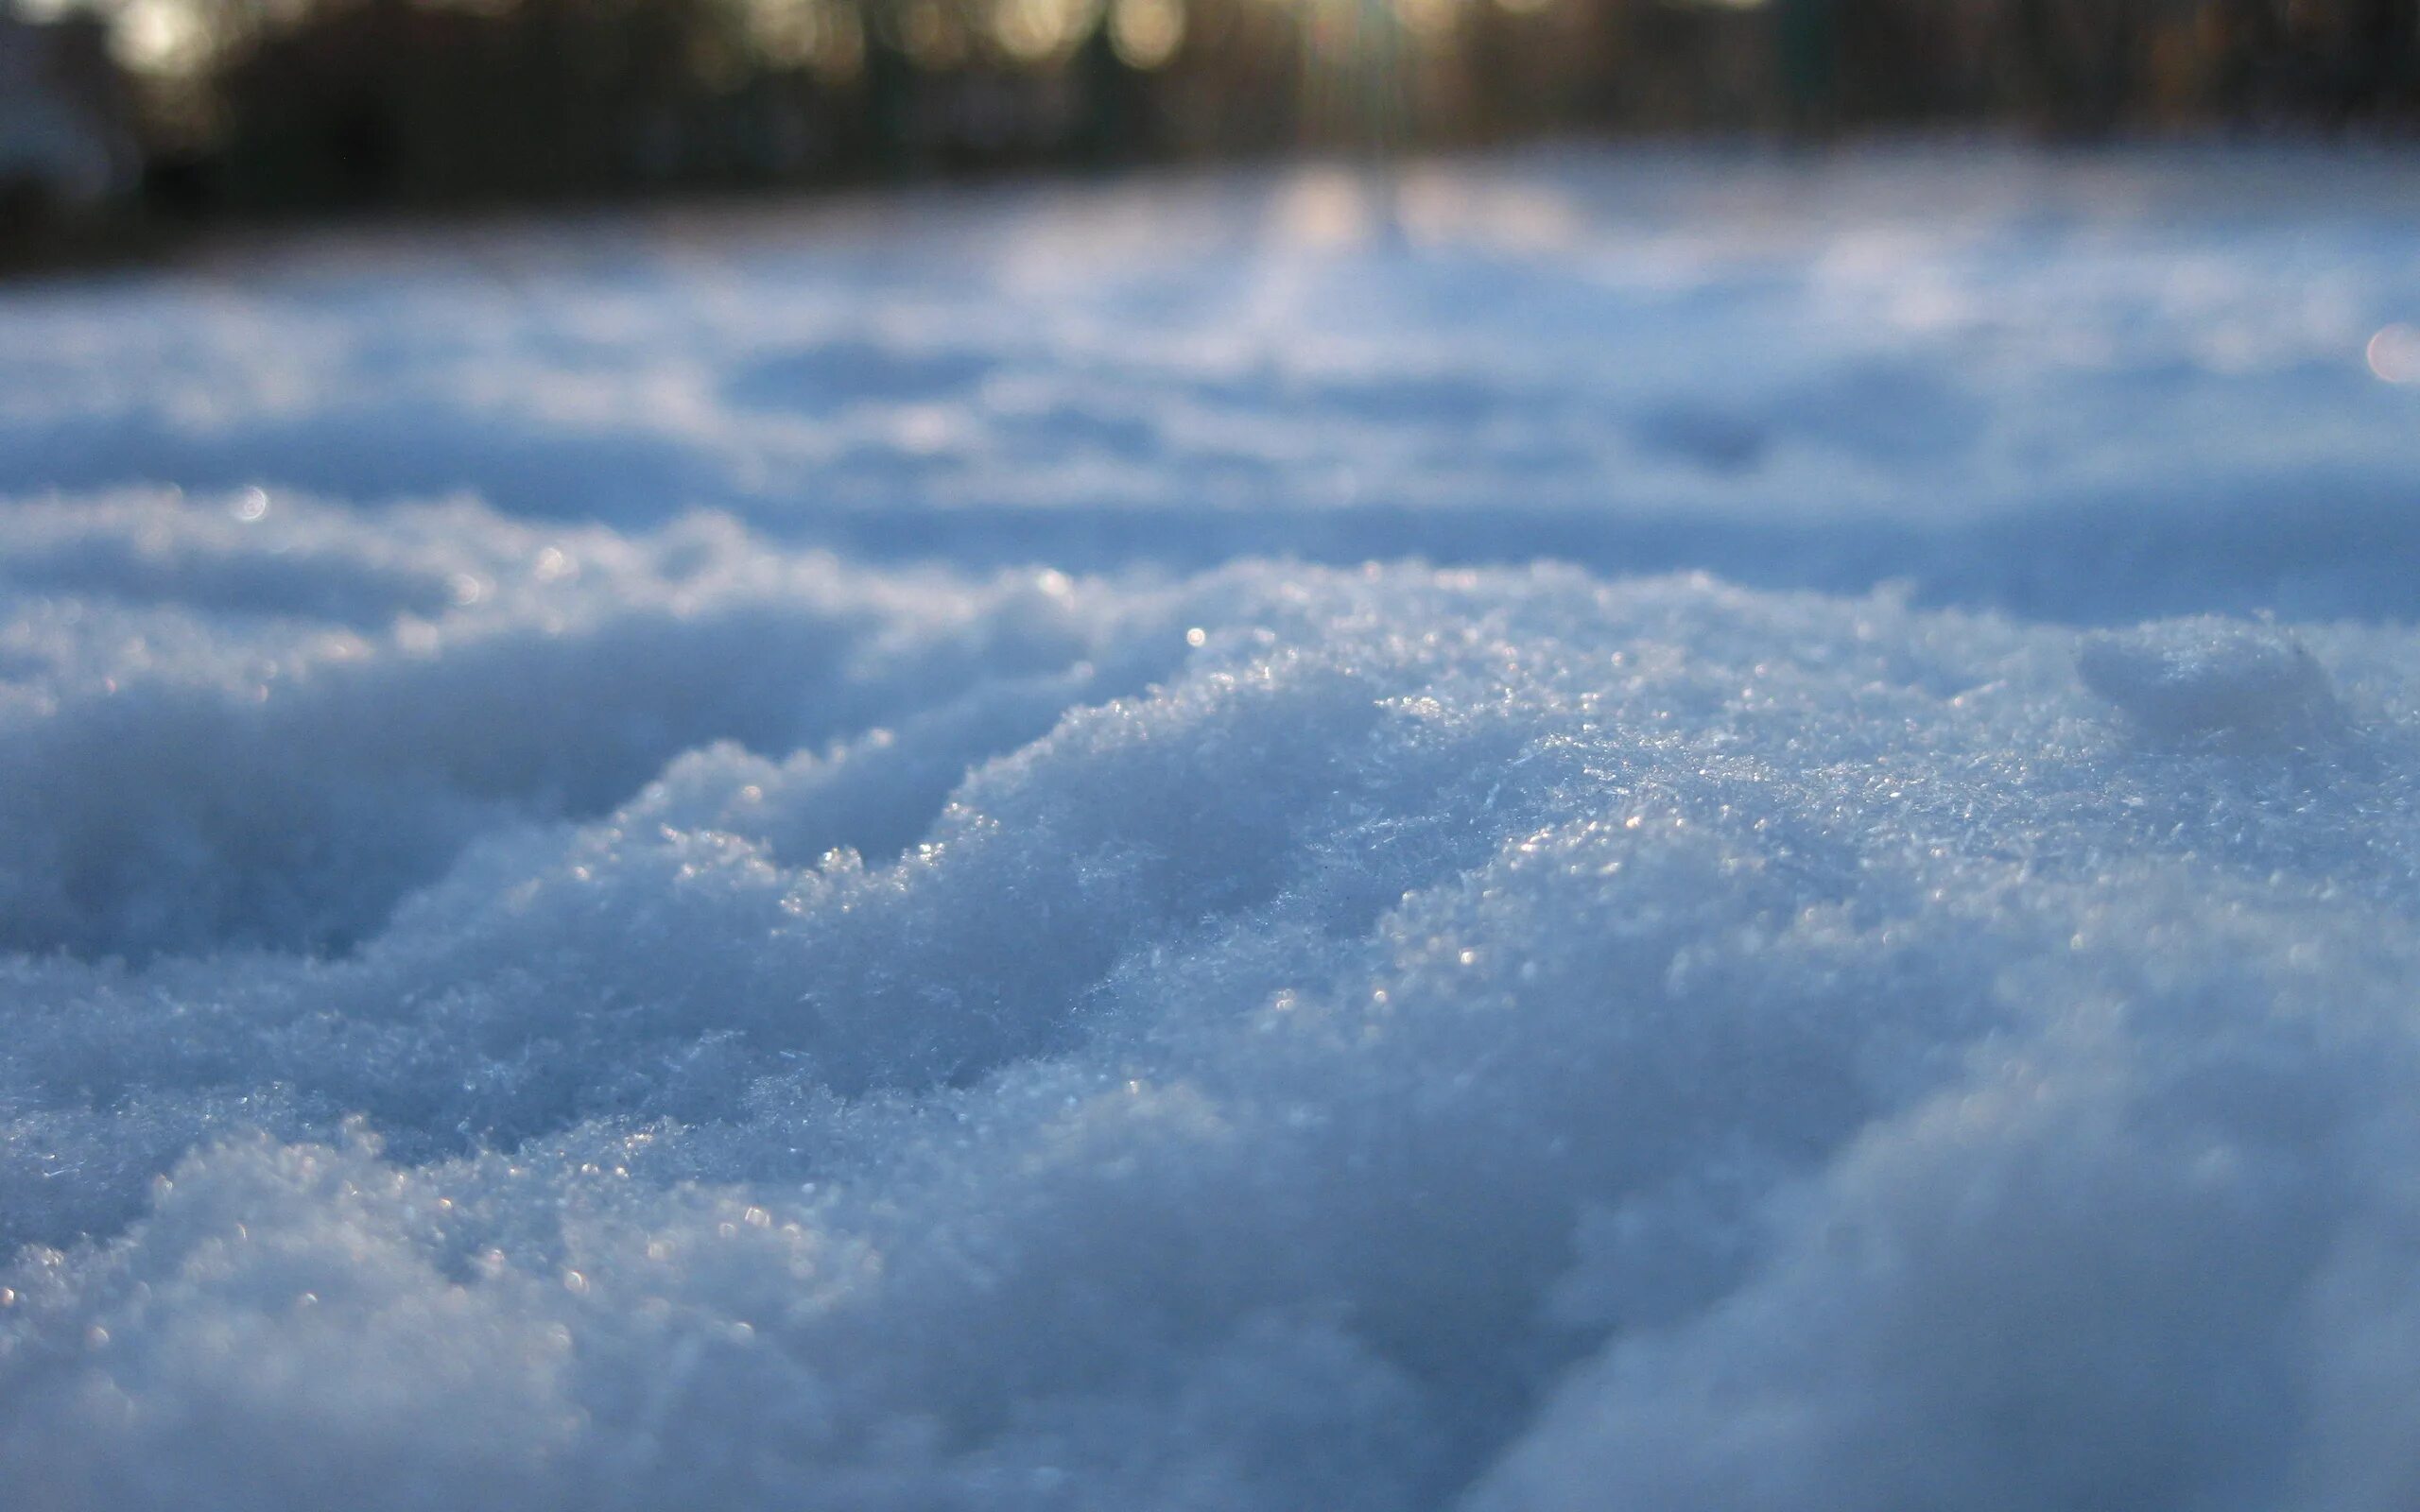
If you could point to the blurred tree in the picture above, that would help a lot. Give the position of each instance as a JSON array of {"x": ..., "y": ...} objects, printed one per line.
[{"x": 307, "y": 104}]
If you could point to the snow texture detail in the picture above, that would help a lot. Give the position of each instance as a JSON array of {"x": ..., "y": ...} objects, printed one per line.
[
  {"x": 576, "y": 1001},
  {"x": 2211, "y": 678}
]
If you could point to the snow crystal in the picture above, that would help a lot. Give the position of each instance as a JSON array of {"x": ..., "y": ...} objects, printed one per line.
[{"x": 575, "y": 1001}]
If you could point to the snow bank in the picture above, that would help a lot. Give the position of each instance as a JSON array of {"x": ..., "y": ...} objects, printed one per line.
[{"x": 972, "y": 974}]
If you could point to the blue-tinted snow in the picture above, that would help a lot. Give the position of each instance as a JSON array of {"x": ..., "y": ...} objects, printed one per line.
[
  {"x": 879, "y": 912},
  {"x": 2093, "y": 388}
]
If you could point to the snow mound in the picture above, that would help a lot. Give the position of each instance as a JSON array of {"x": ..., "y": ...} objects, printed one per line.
[
  {"x": 2210, "y": 678},
  {"x": 1274, "y": 1038},
  {"x": 816, "y": 876}
]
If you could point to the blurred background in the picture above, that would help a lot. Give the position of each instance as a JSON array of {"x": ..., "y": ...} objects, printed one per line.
[{"x": 123, "y": 121}]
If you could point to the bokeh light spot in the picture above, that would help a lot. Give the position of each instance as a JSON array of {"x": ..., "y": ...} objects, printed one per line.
[
  {"x": 2394, "y": 353},
  {"x": 1147, "y": 33}
]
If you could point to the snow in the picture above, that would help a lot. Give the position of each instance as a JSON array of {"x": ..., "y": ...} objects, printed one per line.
[
  {"x": 2194, "y": 678},
  {"x": 754, "y": 860}
]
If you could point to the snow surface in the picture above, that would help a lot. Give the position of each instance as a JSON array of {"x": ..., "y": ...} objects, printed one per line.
[{"x": 753, "y": 861}]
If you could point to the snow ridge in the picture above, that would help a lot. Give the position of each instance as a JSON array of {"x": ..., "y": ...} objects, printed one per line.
[{"x": 583, "y": 1002}]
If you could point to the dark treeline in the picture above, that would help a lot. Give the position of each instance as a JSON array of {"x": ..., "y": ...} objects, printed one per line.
[{"x": 258, "y": 106}]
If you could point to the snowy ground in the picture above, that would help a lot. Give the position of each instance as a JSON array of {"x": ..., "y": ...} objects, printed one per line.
[{"x": 787, "y": 859}]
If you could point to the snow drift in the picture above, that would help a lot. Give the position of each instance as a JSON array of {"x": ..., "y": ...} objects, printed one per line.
[{"x": 508, "y": 1010}]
